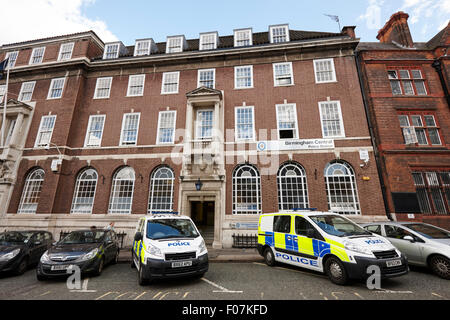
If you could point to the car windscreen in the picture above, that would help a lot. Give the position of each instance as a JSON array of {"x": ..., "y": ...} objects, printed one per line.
[
  {"x": 338, "y": 226},
  {"x": 15, "y": 237},
  {"x": 428, "y": 231},
  {"x": 170, "y": 228},
  {"x": 82, "y": 237}
]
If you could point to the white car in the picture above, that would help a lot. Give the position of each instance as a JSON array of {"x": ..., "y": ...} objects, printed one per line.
[
  {"x": 168, "y": 246},
  {"x": 423, "y": 244}
]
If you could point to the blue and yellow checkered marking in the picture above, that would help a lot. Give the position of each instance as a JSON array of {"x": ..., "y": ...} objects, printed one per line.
[{"x": 321, "y": 248}]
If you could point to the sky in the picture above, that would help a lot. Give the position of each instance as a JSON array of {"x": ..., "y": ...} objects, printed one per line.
[{"x": 126, "y": 21}]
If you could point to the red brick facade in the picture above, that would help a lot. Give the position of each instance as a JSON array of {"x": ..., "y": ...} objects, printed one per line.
[{"x": 398, "y": 160}]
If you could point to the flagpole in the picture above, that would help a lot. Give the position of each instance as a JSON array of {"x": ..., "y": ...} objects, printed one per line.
[{"x": 4, "y": 109}]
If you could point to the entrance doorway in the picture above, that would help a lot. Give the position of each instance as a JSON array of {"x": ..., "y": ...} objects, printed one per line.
[{"x": 202, "y": 213}]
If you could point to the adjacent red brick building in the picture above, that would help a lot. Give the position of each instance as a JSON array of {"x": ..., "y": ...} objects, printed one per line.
[
  {"x": 406, "y": 86},
  {"x": 218, "y": 128}
]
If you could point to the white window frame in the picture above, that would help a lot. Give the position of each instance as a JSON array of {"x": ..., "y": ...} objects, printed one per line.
[
  {"x": 332, "y": 67},
  {"x": 33, "y": 53},
  {"x": 248, "y": 32},
  {"x": 236, "y": 79},
  {"x": 158, "y": 136},
  {"x": 129, "y": 85},
  {"x": 22, "y": 91},
  {"x": 12, "y": 63},
  {"x": 167, "y": 190},
  {"x": 202, "y": 40},
  {"x": 341, "y": 119},
  {"x": 164, "y": 78},
  {"x": 61, "y": 52},
  {"x": 285, "y": 184},
  {"x": 114, "y": 192},
  {"x": 277, "y": 107},
  {"x": 198, "y": 123},
  {"x": 2, "y": 92},
  {"x": 236, "y": 136},
  {"x": 50, "y": 90},
  {"x": 148, "y": 50},
  {"x": 37, "y": 143},
  {"x": 88, "y": 130},
  {"x": 105, "y": 52},
  {"x": 206, "y": 70},
  {"x": 171, "y": 38},
  {"x": 272, "y": 28},
  {"x": 28, "y": 191},
  {"x": 275, "y": 84},
  {"x": 137, "y": 129},
  {"x": 97, "y": 87},
  {"x": 80, "y": 187},
  {"x": 255, "y": 181}
]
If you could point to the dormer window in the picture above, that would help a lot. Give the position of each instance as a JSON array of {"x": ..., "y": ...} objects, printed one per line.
[
  {"x": 112, "y": 50},
  {"x": 65, "y": 52},
  {"x": 243, "y": 37},
  {"x": 175, "y": 44},
  {"x": 37, "y": 55},
  {"x": 208, "y": 41},
  {"x": 144, "y": 47},
  {"x": 279, "y": 33},
  {"x": 12, "y": 56}
]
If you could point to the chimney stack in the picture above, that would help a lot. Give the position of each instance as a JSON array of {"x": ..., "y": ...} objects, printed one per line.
[
  {"x": 350, "y": 31},
  {"x": 396, "y": 30}
]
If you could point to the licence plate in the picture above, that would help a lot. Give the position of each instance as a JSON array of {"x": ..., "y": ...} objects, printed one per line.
[
  {"x": 393, "y": 263},
  {"x": 181, "y": 264},
  {"x": 60, "y": 267}
]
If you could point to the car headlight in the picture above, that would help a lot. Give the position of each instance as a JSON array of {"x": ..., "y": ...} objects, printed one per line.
[
  {"x": 10, "y": 255},
  {"x": 45, "y": 258},
  {"x": 90, "y": 255},
  {"x": 154, "y": 251},
  {"x": 356, "y": 248},
  {"x": 202, "y": 247}
]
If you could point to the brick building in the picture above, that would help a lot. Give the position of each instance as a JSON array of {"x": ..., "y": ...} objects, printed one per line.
[
  {"x": 406, "y": 86},
  {"x": 220, "y": 128}
]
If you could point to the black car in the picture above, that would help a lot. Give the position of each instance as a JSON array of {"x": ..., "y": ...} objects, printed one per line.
[
  {"x": 90, "y": 250},
  {"x": 21, "y": 249}
]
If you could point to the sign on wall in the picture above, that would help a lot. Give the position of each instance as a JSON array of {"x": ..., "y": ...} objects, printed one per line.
[{"x": 304, "y": 144}]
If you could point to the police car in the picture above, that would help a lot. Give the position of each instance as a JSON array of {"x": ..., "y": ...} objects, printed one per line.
[
  {"x": 327, "y": 242},
  {"x": 166, "y": 246}
]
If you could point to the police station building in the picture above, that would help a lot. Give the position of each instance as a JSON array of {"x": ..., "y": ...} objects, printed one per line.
[{"x": 218, "y": 128}]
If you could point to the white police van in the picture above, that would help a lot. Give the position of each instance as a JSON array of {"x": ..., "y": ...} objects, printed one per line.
[
  {"x": 327, "y": 242},
  {"x": 168, "y": 245}
]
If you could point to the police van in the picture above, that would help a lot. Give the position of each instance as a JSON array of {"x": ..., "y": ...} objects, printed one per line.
[
  {"x": 168, "y": 245},
  {"x": 327, "y": 242}
]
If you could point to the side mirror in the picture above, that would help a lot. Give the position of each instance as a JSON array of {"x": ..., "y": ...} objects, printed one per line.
[
  {"x": 138, "y": 236},
  {"x": 409, "y": 238}
]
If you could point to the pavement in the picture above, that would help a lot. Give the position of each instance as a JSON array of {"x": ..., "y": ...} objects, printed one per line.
[{"x": 214, "y": 255}]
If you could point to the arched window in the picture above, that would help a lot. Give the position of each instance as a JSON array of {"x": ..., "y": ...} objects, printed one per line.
[
  {"x": 292, "y": 187},
  {"x": 246, "y": 190},
  {"x": 31, "y": 191},
  {"x": 83, "y": 197},
  {"x": 122, "y": 191},
  {"x": 341, "y": 188},
  {"x": 161, "y": 190}
]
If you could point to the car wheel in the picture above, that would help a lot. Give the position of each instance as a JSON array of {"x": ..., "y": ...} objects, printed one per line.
[
  {"x": 440, "y": 266},
  {"x": 141, "y": 278},
  {"x": 23, "y": 265},
  {"x": 99, "y": 270},
  {"x": 269, "y": 258},
  {"x": 336, "y": 271},
  {"x": 116, "y": 258}
]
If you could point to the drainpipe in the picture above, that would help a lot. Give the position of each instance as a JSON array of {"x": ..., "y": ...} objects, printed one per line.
[
  {"x": 437, "y": 65},
  {"x": 372, "y": 136}
]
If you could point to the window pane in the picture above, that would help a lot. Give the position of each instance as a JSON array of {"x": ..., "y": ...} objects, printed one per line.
[
  {"x": 31, "y": 192},
  {"x": 292, "y": 188},
  {"x": 122, "y": 191},
  {"x": 161, "y": 190},
  {"x": 331, "y": 119},
  {"x": 244, "y": 123},
  {"x": 83, "y": 198},
  {"x": 246, "y": 191}
]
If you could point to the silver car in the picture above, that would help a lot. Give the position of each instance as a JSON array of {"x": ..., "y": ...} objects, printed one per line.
[{"x": 423, "y": 244}]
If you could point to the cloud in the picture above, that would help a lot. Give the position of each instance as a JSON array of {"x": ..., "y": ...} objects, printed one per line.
[
  {"x": 434, "y": 13},
  {"x": 34, "y": 19},
  {"x": 372, "y": 16}
]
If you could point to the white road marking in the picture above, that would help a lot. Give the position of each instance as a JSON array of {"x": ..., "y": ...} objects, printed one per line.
[
  {"x": 393, "y": 291},
  {"x": 44, "y": 294},
  {"x": 437, "y": 295},
  {"x": 222, "y": 289}
]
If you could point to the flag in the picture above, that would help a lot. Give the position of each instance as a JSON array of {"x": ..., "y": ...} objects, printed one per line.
[
  {"x": 335, "y": 18},
  {"x": 3, "y": 66}
]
